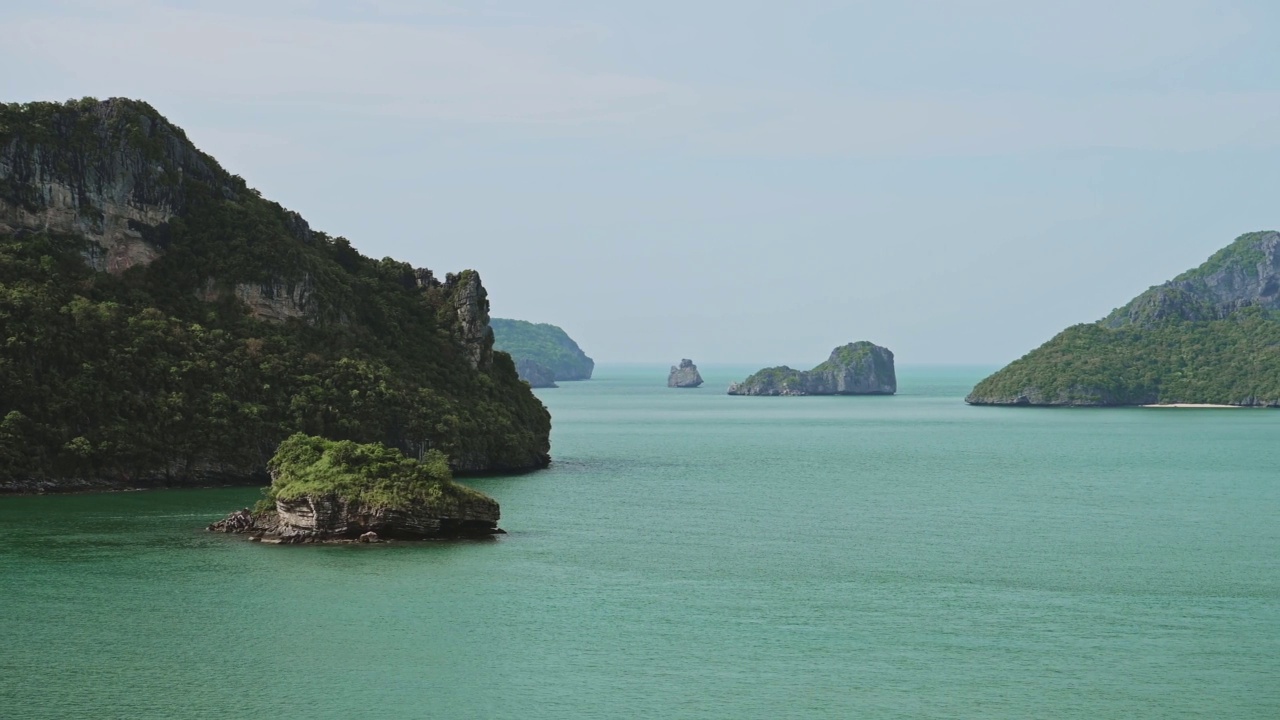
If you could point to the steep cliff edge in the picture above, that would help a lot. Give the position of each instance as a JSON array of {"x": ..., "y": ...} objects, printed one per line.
[
  {"x": 169, "y": 326},
  {"x": 535, "y": 373},
  {"x": 860, "y": 368},
  {"x": 544, "y": 344},
  {"x": 1209, "y": 336}
]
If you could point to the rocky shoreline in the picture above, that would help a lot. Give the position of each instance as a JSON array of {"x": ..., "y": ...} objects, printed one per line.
[
  {"x": 81, "y": 486},
  {"x": 268, "y": 527}
]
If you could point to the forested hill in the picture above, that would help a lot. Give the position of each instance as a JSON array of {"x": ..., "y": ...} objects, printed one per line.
[
  {"x": 544, "y": 344},
  {"x": 163, "y": 324},
  {"x": 1210, "y": 335}
]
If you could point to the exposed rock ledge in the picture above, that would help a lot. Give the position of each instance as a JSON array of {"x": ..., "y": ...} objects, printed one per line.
[
  {"x": 329, "y": 519},
  {"x": 535, "y": 373},
  {"x": 684, "y": 376}
]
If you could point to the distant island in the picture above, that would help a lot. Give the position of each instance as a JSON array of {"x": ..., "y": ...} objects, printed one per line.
[
  {"x": 860, "y": 368},
  {"x": 168, "y": 326},
  {"x": 1210, "y": 336},
  {"x": 341, "y": 491},
  {"x": 684, "y": 375},
  {"x": 547, "y": 345}
]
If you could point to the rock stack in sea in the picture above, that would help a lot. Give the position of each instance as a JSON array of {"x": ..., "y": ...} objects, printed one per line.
[{"x": 684, "y": 376}]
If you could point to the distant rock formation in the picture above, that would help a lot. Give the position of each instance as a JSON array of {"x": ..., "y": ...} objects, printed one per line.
[
  {"x": 859, "y": 368},
  {"x": 545, "y": 344},
  {"x": 684, "y": 376},
  {"x": 535, "y": 373}
]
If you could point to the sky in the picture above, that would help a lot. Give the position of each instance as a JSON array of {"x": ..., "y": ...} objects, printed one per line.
[{"x": 729, "y": 181}]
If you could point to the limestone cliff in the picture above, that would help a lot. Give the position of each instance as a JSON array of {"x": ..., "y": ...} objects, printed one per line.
[
  {"x": 536, "y": 374},
  {"x": 58, "y": 176},
  {"x": 122, "y": 195},
  {"x": 471, "y": 303},
  {"x": 168, "y": 325},
  {"x": 684, "y": 375},
  {"x": 859, "y": 368},
  {"x": 1244, "y": 274}
]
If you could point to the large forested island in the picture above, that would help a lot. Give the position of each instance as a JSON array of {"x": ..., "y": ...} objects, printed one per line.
[
  {"x": 163, "y": 324},
  {"x": 545, "y": 350},
  {"x": 1209, "y": 336}
]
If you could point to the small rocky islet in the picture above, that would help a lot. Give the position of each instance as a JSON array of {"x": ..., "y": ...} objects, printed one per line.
[
  {"x": 859, "y": 368},
  {"x": 325, "y": 491},
  {"x": 684, "y": 375}
]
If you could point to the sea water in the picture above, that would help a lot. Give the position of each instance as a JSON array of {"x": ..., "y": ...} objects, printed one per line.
[{"x": 695, "y": 555}]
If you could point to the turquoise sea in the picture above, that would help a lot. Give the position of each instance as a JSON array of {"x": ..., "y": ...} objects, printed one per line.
[{"x": 695, "y": 555}]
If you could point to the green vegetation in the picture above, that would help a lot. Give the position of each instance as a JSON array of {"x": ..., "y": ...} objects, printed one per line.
[
  {"x": 544, "y": 344},
  {"x": 1243, "y": 252},
  {"x": 1210, "y": 336},
  {"x": 1228, "y": 280},
  {"x": 372, "y": 475},
  {"x": 852, "y": 354},
  {"x": 137, "y": 375},
  {"x": 780, "y": 377},
  {"x": 1231, "y": 361}
]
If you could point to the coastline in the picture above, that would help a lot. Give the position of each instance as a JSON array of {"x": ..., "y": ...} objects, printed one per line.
[{"x": 1190, "y": 405}]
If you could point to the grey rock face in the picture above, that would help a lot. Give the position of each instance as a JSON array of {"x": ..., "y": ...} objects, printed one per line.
[
  {"x": 331, "y": 519},
  {"x": 471, "y": 301},
  {"x": 684, "y": 376},
  {"x": 860, "y": 368},
  {"x": 536, "y": 374},
  {"x": 1243, "y": 274},
  {"x": 121, "y": 200}
]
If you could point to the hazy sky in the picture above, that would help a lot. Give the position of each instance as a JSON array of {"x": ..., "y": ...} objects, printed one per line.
[{"x": 730, "y": 180}]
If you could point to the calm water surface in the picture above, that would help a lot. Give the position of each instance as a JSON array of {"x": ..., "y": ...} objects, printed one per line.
[{"x": 696, "y": 555}]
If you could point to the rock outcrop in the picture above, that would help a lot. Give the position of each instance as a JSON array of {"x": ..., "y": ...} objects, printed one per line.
[
  {"x": 535, "y": 373},
  {"x": 327, "y": 491},
  {"x": 329, "y": 518},
  {"x": 1244, "y": 274},
  {"x": 1207, "y": 337},
  {"x": 120, "y": 197},
  {"x": 859, "y": 368},
  {"x": 685, "y": 375},
  {"x": 471, "y": 302}
]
